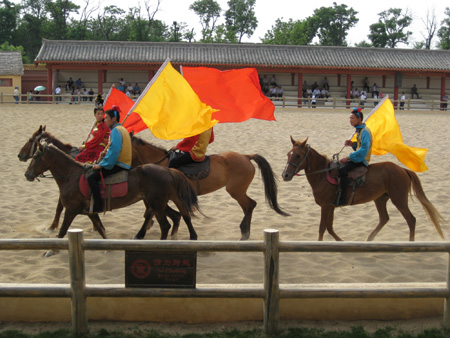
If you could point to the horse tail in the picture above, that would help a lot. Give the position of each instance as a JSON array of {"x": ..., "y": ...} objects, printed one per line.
[
  {"x": 185, "y": 191},
  {"x": 429, "y": 208},
  {"x": 270, "y": 183}
]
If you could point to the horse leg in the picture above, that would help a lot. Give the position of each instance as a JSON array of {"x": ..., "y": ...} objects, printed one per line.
[
  {"x": 67, "y": 221},
  {"x": 402, "y": 205},
  {"x": 175, "y": 216},
  {"x": 98, "y": 225},
  {"x": 192, "y": 233},
  {"x": 326, "y": 222},
  {"x": 148, "y": 222},
  {"x": 163, "y": 224},
  {"x": 59, "y": 209},
  {"x": 380, "y": 203}
]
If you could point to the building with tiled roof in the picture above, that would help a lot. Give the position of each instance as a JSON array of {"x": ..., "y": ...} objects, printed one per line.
[
  {"x": 11, "y": 71},
  {"x": 102, "y": 63}
]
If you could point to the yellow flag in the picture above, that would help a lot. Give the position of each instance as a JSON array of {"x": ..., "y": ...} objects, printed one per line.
[
  {"x": 387, "y": 138},
  {"x": 170, "y": 107}
]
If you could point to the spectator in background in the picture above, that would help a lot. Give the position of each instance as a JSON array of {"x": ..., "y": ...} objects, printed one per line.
[
  {"x": 136, "y": 89},
  {"x": 313, "y": 101},
  {"x": 273, "y": 91},
  {"x": 444, "y": 101},
  {"x": 130, "y": 88},
  {"x": 414, "y": 92},
  {"x": 85, "y": 94},
  {"x": 355, "y": 94},
  {"x": 58, "y": 94},
  {"x": 362, "y": 98},
  {"x": 122, "y": 81},
  {"x": 91, "y": 94},
  {"x": 273, "y": 81},
  {"x": 374, "y": 90},
  {"x": 314, "y": 85},
  {"x": 366, "y": 85},
  {"x": 279, "y": 91},
  {"x": 76, "y": 93},
  {"x": 316, "y": 92},
  {"x": 16, "y": 95},
  {"x": 79, "y": 83},
  {"x": 30, "y": 95},
  {"x": 121, "y": 87},
  {"x": 325, "y": 84},
  {"x": 324, "y": 93},
  {"x": 402, "y": 101},
  {"x": 309, "y": 92},
  {"x": 304, "y": 88},
  {"x": 69, "y": 85}
]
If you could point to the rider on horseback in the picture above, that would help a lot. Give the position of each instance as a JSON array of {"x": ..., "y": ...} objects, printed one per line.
[
  {"x": 192, "y": 149},
  {"x": 361, "y": 155},
  {"x": 118, "y": 156}
]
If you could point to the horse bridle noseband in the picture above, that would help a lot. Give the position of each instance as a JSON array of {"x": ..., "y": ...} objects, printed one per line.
[{"x": 296, "y": 166}]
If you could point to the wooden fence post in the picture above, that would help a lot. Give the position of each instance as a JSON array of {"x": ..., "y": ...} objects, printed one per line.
[
  {"x": 446, "y": 318},
  {"x": 271, "y": 281},
  {"x": 77, "y": 282}
]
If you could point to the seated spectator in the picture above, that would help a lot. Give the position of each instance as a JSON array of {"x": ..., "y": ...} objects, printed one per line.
[
  {"x": 69, "y": 85},
  {"x": 122, "y": 81},
  {"x": 363, "y": 92},
  {"x": 363, "y": 98},
  {"x": 374, "y": 90},
  {"x": 121, "y": 87},
  {"x": 76, "y": 92},
  {"x": 314, "y": 86},
  {"x": 316, "y": 92},
  {"x": 136, "y": 89},
  {"x": 355, "y": 94},
  {"x": 85, "y": 94},
  {"x": 313, "y": 101},
  {"x": 279, "y": 91},
  {"x": 91, "y": 94},
  {"x": 273, "y": 91},
  {"x": 79, "y": 83},
  {"x": 324, "y": 93},
  {"x": 130, "y": 88},
  {"x": 273, "y": 81},
  {"x": 309, "y": 92},
  {"x": 128, "y": 93}
]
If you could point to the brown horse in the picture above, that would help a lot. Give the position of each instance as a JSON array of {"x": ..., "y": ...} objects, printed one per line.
[
  {"x": 384, "y": 181},
  {"x": 231, "y": 170},
  {"x": 153, "y": 184},
  {"x": 29, "y": 148}
]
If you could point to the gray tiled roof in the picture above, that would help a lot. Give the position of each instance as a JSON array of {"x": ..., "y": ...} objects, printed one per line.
[
  {"x": 11, "y": 63},
  {"x": 251, "y": 55}
]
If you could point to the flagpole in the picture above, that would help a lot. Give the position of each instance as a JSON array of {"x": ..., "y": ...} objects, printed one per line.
[{"x": 147, "y": 88}]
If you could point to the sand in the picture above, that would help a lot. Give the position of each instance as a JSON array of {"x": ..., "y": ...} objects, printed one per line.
[{"x": 27, "y": 208}]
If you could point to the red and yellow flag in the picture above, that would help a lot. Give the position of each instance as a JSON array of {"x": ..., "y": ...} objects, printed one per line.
[
  {"x": 170, "y": 108},
  {"x": 387, "y": 138},
  {"x": 235, "y": 93}
]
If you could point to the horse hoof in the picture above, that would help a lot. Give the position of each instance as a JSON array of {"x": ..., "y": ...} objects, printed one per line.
[
  {"x": 49, "y": 229},
  {"x": 50, "y": 253},
  {"x": 174, "y": 236},
  {"x": 244, "y": 237}
]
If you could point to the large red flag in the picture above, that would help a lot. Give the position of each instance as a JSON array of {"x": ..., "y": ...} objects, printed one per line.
[
  {"x": 119, "y": 99},
  {"x": 236, "y": 93}
]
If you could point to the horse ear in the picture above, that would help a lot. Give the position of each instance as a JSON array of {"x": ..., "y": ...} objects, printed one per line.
[
  {"x": 132, "y": 133},
  {"x": 293, "y": 141},
  {"x": 304, "y": 142},
  {"x": 43, "y": 129}
]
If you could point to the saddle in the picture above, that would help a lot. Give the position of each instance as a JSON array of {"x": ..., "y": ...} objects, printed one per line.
[
  {"x": 194, "y": 171},
  {"x": 357, "y": 177},
  {"x": 115, "y": 185}
]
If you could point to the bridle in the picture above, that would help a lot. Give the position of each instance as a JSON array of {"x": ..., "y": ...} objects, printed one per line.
[
  {"x": 38, "y": 158},
  {"x": 297, "y": 166}
]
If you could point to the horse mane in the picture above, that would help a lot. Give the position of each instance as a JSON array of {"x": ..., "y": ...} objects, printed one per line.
[
  {"x": 143, "y": 142},
  {"x": 50, "y": 138},
  {"x": 66, "y": 156}
]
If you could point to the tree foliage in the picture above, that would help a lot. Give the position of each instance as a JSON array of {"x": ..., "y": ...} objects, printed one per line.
[
  {"x": 208, "y": 12},
  {"x": 391, "y": 28},
  {"x": 9, "y": 15},
  {"x": 300, "y": 32},
  {"x": 240, "y": 19},
  {"x": 334, "y": 24},
  {"x": 444, "y": 31}
]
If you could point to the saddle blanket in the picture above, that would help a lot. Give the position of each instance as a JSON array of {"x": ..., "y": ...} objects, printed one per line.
[
  {"x": 353, "y": 175},
  {"x": 109, "y": 190}
]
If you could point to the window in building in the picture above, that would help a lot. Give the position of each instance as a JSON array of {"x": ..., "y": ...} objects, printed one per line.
[{"x": 6, "y": 83}]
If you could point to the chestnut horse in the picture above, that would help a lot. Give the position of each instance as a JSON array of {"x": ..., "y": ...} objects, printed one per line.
[
  {"x": 231, "y": 170},
  {"x": 153, "y": 184},
  {"x": 384, "y": 181}
]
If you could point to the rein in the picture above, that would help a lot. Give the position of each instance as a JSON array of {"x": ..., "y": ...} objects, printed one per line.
[
  {"x": 296, "y": 166},
  {"x": 306, "y": 157},
  {"x": 167, "y": 155}
]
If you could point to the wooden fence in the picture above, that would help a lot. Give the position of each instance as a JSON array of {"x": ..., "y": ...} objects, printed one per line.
[{"x": 271, "y": 291}]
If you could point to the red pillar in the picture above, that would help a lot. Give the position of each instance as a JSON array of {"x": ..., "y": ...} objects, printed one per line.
[
  {"x": 442, "y": 88},
  {"x": 49, "y": 88},
  {"x": 100, "y": 80}
]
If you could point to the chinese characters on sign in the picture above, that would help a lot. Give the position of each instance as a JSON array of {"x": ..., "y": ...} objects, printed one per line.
[{"x": 158, "y": 270}]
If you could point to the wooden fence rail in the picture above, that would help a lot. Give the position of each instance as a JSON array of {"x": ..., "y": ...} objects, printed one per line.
[{"x": 271, "y": 292}]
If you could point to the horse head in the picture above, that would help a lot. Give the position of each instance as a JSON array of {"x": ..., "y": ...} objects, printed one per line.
[
  {"x": 30, "y": 146},
  {"x": 37, "y": 165},
  {"x": 296, "y": 159}
]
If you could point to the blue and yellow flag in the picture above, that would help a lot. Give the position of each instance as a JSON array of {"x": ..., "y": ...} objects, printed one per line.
[
  {"x": 387, "y": 138},
  {"x": 170, "y": 108}
]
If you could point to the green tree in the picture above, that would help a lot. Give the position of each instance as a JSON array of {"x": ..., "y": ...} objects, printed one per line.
[
  {"x": 7, "y": 47},
  {"x": 240, "y": 19},
  {"x": 391, "y": 28},
  {"x": 209, "y": 12},
  {"x": 334, "y": 24},
  {"x": 300, "y": 32},
  {"x": 9, "y": 14},
  {"x": 59, "y": 12},
  {"x": 108, "y": 25},
  {"x": 444, "y": 31}
]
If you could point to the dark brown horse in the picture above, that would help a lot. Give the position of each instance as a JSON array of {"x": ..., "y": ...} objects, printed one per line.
[
  {"x": 231, "y": 170},
  {"x": 29, "y": 148},
  {"x": 153, "y": 184},
  {"x": 384, "y": 181}
]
